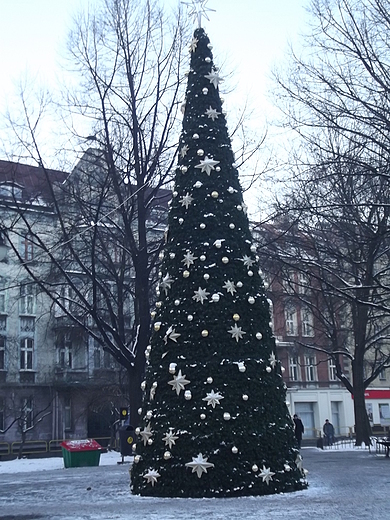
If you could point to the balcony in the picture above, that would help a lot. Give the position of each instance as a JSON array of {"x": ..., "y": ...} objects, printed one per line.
[{"x": 70, "y": 375}]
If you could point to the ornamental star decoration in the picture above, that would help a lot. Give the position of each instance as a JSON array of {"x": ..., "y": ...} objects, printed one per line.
[
  {"x": 193, "y": 44},
  {"x": 199, "y": 465},
  {"x": 178, "y": 383},
  {"x": 212, "y": 113},
  {"x": 200, "y": 295},
  {"x": 189, "y": 259},
  {"x": 207, "y": 165},
  {"x": 171, "y": 334},
  {"x": 170, "y": 438},
  {"x": 146, "y": 434},
  {"x": 266, "y": 474},
  {"x": 151, "y": 476},
  {"x": 183, "y": 150},
  {"x": 247, "y": 260},
  {"x": 166, "y": 283},
  {"x": 272, "y": 360},
  {"x": 236, "y": 332},
  {"x": 198, "y": 9},
  {"x": 213, "y": 398},
  {"x": 214, "y": 78},
  {"x": 186, "y": 200},
  {"x": 230, "y": 287}
]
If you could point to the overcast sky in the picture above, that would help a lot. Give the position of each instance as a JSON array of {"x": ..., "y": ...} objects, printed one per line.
[{"x": 253, "y": 33}]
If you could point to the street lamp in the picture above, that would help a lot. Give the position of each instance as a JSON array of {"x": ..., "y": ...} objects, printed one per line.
[{"x": 3, "y": 248}]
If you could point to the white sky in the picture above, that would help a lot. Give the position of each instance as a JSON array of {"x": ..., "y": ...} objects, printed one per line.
[{"x": 253, "y": 34}]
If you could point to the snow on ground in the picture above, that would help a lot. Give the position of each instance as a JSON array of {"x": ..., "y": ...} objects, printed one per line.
[{"x": 52, "y": 463}]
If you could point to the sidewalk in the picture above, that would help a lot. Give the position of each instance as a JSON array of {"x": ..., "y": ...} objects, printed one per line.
[{"x": 343, "y": 485}]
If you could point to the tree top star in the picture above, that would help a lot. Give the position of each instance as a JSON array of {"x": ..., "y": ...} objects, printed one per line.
[{"x": 198, "y": 9}]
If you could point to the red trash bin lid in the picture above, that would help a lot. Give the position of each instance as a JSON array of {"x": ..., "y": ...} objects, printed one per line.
[{"x": 81, "y": 445}]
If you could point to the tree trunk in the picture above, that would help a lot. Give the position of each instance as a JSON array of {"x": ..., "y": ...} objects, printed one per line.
[{"x": 362, "y": 424}]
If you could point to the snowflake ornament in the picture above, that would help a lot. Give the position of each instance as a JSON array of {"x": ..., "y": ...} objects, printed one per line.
[
  {"x": 166, "y": 283},
  {"x": 184, "y": 149},
  {"x": 272, "y": 360},
  {"x": 247, "y": 260},
  {"x": 199, "y": 465}
]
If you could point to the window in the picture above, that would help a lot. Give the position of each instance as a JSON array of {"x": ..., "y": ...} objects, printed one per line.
[
  {"x": 384, "y": 413},
  {"x": 26, "y": 415},
  {"x": 26, "y": 247},
  {"x": 303, "y": 283},
  {"x": 291, "y": 321},
  {"x": 310, "y": 368},
  {"x": 27, "y": 324},
  {"x": 332, "y": 370},
  {"x": 67, "y": 413},
  {"x": 97, "y": 361},
  {"x": 307, "y": 322},
  {"x": 2, "y": 414},
  {"x": 3, "y": 298},
  {"x": 289, "y": 282},
  {"x": 65, "y": 358},
  {"x": 27, "y": 299},
  {"x": 26, "y": 353},
  {"x": 3, "y": 342},
  {"x": 294, "y": 368},
  {"x": 382, "y": 375}
]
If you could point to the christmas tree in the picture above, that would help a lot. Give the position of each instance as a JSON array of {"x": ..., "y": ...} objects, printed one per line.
[{"x": 214, "y": 421}]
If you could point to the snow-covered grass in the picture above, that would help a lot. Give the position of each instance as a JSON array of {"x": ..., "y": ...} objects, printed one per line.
[{"x": 52, "y": 463}]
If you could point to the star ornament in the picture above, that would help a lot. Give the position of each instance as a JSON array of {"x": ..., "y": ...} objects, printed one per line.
[
  {"x": 186, "y": 200},
  {"x": 178, "y": 383},
  {"x": 212, "y": 113},
  {"x": 213, "y": 398},
  {"x": 272, "y": 360},
  {"x": 207, "y": 165},
  {"x": 236, "y": 332},
  {"x": 172, "y": 335},
  {"x": 183, "y": 150},
  {"x": 170, "y": 438},
  {"x": 266, "y": 474},
  {"x": 198, "y": 9},
  {"x": 199, "y": 465},
  {"x": 247, "y": 260},
  {"x": 214, "y": 78},
  {"x": 151, "y": 476},
  {"x": 189, "y": 259},
  {"x": 146, "y": 434},
  {"x": 200, "y": 295},
  {"x": 230, "y": 287},
  {"x": 193, "y": 44},
  {"x": 166, "y": 283}
]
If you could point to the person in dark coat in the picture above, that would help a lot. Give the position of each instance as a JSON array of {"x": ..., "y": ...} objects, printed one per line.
[
  {"x": 298, "y": 430},
  {"x": 328, "y": 430}
]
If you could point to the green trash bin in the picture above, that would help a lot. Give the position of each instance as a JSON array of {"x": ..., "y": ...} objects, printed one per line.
[{"x": 81, "y": 453}]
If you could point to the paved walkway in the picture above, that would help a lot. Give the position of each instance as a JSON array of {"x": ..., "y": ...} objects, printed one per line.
[{"x": 344, "y": 485}]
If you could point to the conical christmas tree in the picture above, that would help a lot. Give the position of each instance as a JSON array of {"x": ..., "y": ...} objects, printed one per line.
[{"x": 214, "y": 420}]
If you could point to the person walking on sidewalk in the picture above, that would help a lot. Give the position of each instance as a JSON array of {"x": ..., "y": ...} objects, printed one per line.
[
  {"x": 299, "y": 429},
  {"x": 328, "y": 430}
]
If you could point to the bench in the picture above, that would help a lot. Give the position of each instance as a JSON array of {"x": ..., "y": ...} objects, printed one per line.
[{"x": 386, "y": 444}]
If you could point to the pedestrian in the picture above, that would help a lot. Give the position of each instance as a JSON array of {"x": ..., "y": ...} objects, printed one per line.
[
  {"x": 328, "y": 430},
  {"x": 298, "y": 430}
]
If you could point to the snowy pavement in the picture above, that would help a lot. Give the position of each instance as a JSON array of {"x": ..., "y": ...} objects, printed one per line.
[{"x": 347, "y": 485}]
